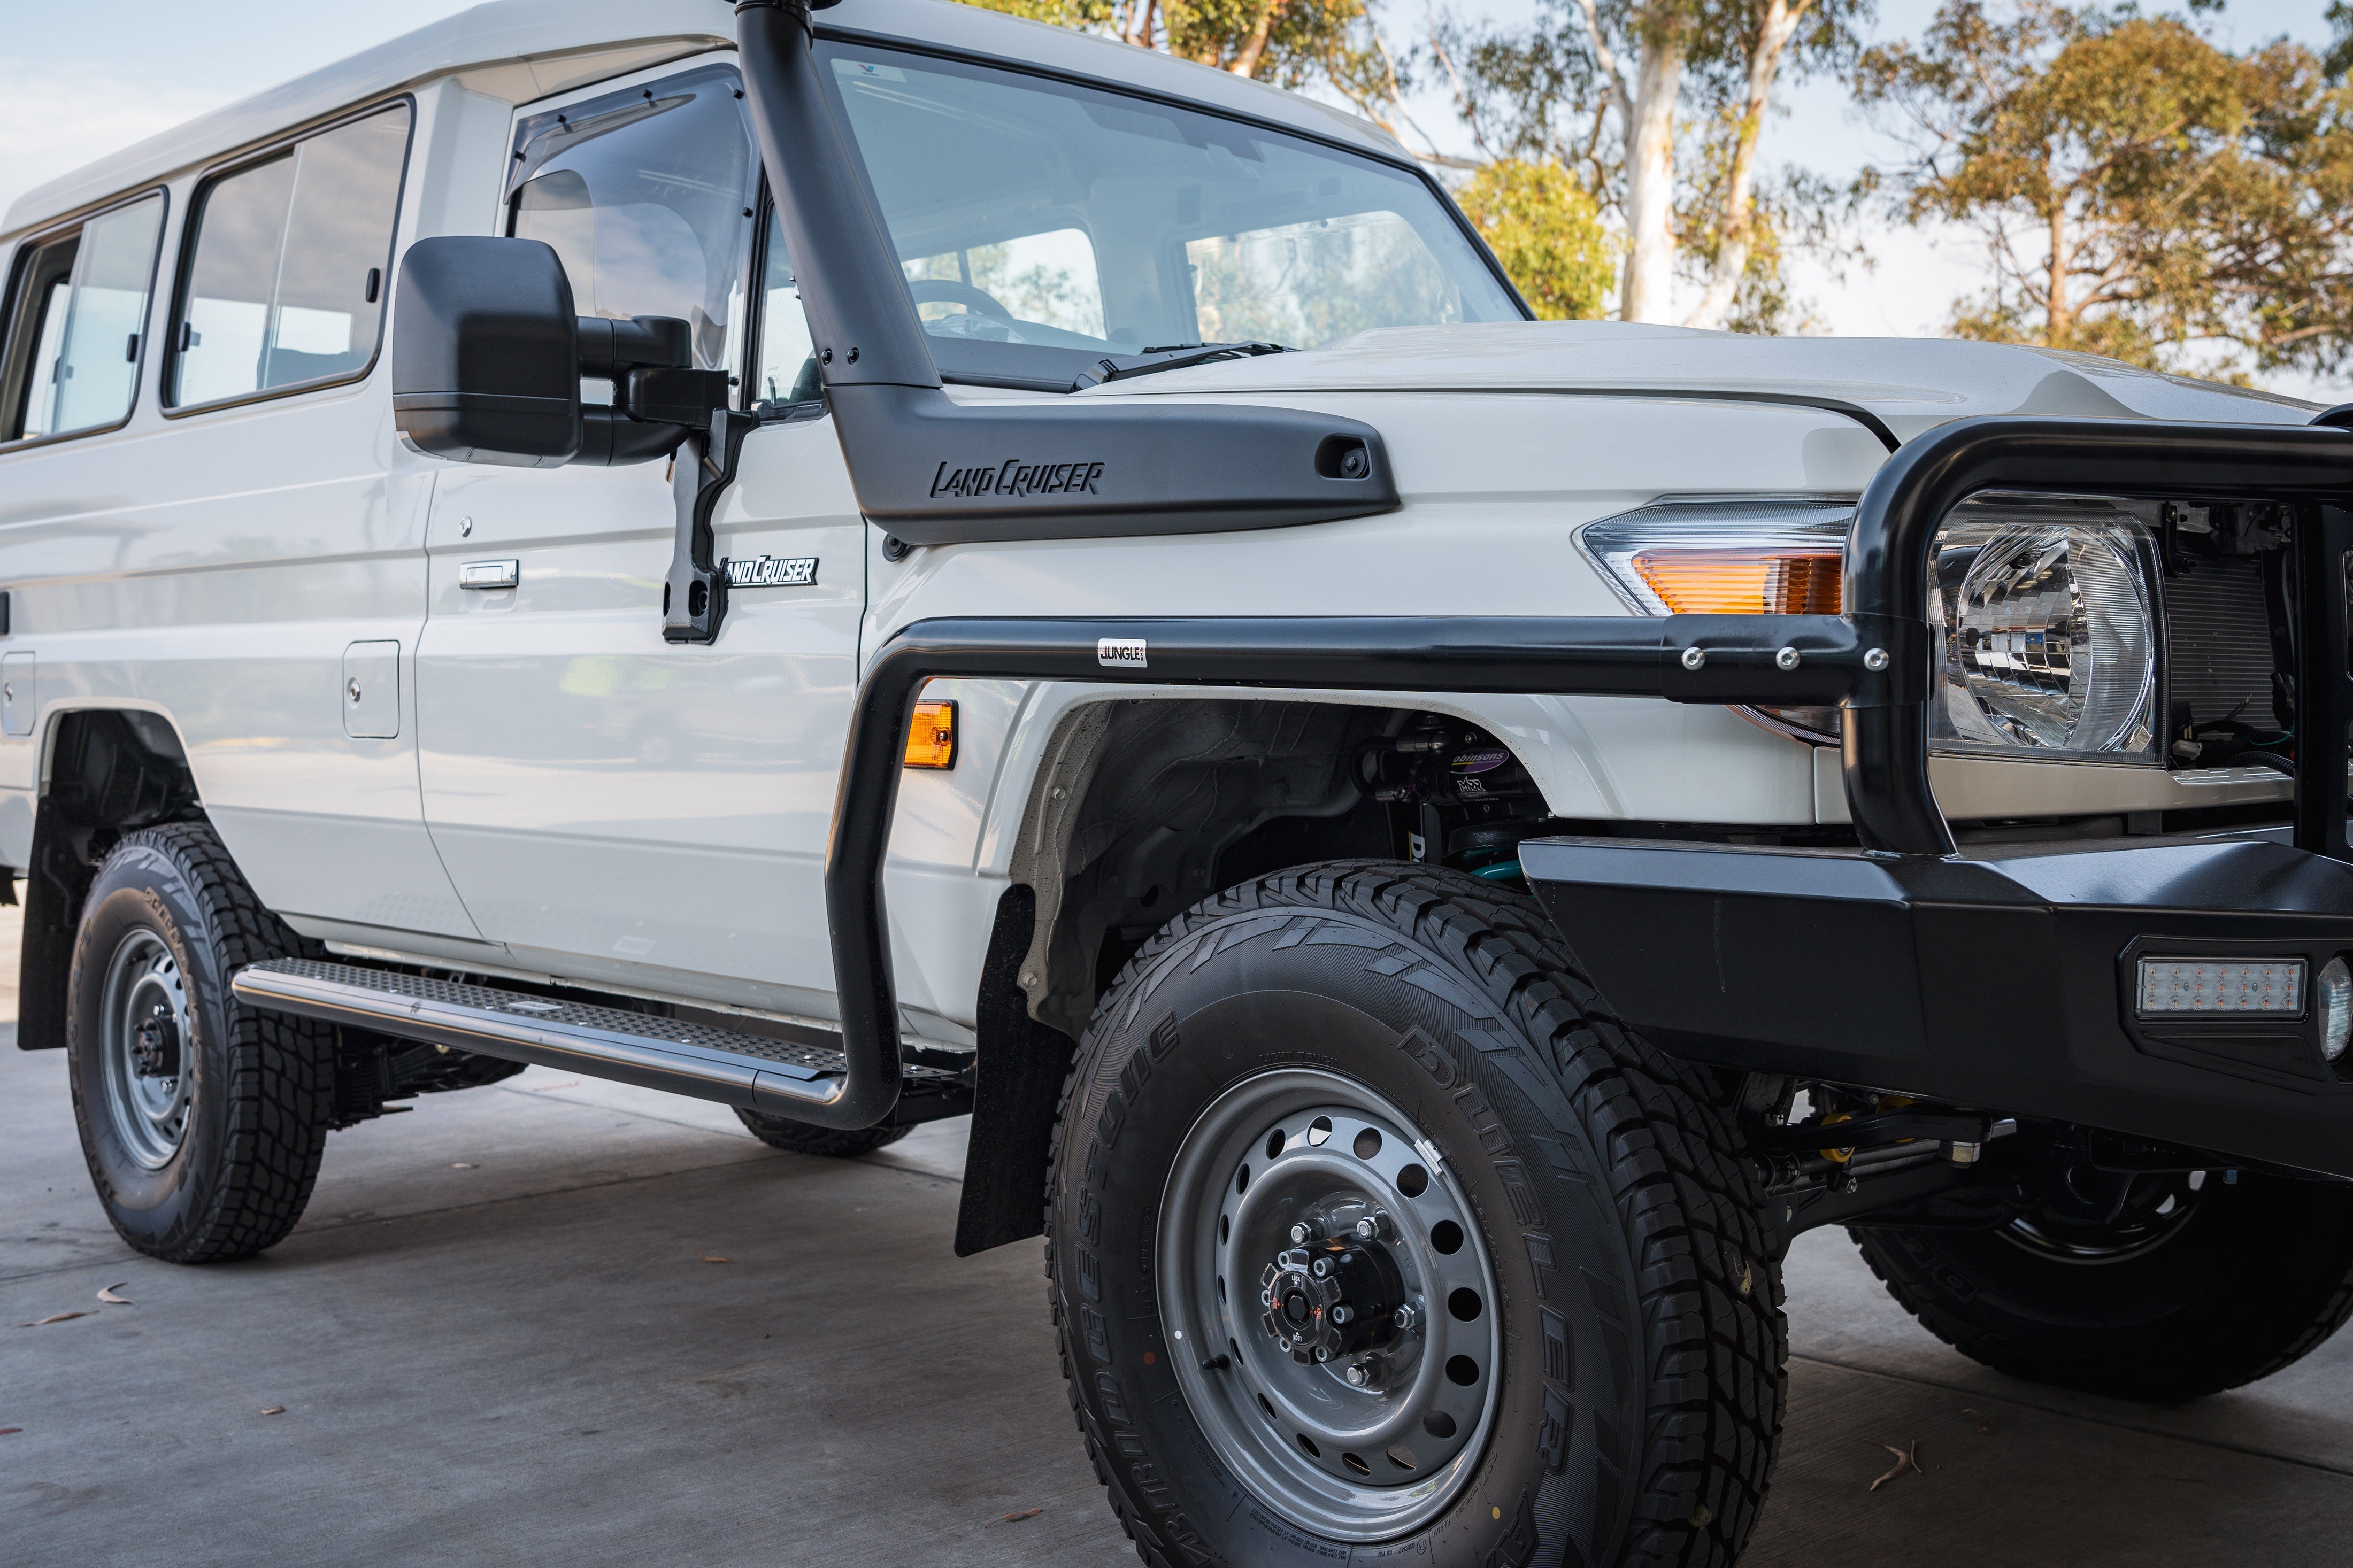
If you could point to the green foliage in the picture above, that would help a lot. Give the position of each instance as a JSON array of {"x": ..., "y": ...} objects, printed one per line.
[
  {"x": 1083, "y": 16},
  {"x": 1291, "y": 43},
  {"x": 2144, "y": 192},
  {"x": 1545, "y": 229}
]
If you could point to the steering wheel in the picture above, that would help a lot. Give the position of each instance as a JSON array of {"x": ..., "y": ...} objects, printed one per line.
[{"x": 948, "y": 291}]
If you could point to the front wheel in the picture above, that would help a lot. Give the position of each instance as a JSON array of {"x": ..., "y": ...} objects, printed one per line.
[{"x": 1368, "y": 1229}]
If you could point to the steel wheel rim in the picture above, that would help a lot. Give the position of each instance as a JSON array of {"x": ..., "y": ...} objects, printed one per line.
[
  {"x": 2162, "y": 1218},
  {"x": 144, "y": 1054},
  {"x": 1301, "y": 1134}
]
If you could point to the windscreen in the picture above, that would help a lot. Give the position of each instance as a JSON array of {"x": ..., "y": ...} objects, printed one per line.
[{"x": 1031, "y": 214}]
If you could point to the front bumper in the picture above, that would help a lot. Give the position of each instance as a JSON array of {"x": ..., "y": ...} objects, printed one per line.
[{"x": 2004, "y": 981}]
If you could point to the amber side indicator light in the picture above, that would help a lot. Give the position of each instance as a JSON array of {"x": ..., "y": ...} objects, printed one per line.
[
  {"x": 1743, "y": 582},
  {"x": 931, "y": 738}
]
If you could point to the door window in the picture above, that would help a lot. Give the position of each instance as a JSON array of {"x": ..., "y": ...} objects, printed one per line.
[
  {"x": 80, "y": 318},
  {"x": 286, "y": 277},
  {"x": 646, "y": 195},
  {"x": 787, "y": 369}
]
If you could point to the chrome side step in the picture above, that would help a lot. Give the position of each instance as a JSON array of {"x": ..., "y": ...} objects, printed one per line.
[{"x": 749, "y": 1072}]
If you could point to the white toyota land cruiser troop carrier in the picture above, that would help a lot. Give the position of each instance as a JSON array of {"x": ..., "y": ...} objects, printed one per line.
[{"x": 779, "y": 558}]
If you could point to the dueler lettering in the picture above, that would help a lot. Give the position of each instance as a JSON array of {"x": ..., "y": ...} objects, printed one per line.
[{"x": 1015, "y": 477}]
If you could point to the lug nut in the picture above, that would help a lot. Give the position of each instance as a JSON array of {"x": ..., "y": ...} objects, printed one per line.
[
  {"x": 1402, "y": 1317},
  {"x": 1368, "y": 1227},
  {"x": 1301, "y": 1235},
  {"x": 1356, "y": 1375}
]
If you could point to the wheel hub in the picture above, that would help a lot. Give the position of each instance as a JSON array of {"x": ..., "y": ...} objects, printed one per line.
[
  {"x": 155, "y": 1045},
  {"x": 1332, "y": 1301}
]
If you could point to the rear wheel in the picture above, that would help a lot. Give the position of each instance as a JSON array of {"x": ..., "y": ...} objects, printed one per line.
[
  {"x": 805, "y": 1138},
  {"x": 202, "y": 1120},
  {"x": 1370, "y": 1232},
  {"x": 2168, "y": 1287}
]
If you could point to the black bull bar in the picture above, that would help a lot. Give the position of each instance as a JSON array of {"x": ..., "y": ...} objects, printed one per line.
[{"x": 2000, "y": 981}]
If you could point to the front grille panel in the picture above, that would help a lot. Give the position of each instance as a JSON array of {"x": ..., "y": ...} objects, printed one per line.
[{"x": 2218, "y": 642}]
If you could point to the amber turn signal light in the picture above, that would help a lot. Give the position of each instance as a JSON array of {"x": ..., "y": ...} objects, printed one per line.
[
  {"x": 931, "y": 739},
  {"x": 1743, "y": 582}
]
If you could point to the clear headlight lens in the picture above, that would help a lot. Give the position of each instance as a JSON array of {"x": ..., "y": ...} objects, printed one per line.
[
  {"x": 2049, "y": 629},
  {"x": 2045, "y": 605}
]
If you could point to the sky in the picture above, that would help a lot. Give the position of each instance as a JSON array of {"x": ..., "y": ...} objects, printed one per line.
[{"x": 74, "y": 92}]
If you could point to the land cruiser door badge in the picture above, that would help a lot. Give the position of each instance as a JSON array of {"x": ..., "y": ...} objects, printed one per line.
[{"x": 773, "y": 572}]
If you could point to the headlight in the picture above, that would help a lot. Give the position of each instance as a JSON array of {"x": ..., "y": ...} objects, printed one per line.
[
  {"x": 2049, "y": 627},
  {"x": 2044, "y": 604}
]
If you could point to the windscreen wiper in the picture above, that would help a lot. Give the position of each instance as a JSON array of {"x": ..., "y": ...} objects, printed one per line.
[{"x": 1174, "y": 356}]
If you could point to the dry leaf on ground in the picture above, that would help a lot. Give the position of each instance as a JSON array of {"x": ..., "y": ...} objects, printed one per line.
[
  {"x": 1907, "y": 1458},
  {"x": 107, "y": 1295},
  {"x": 1018, "y": 1518},
  {"x": 709, "y": 1257},
  {"x": 53, "y": 1318},
  {"x": 275, "y": 1410},
  {"x": 1984, "y": 1425}
]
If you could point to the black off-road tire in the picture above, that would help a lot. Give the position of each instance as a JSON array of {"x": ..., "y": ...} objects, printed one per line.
[
  {"x": 2259, "y": 1274},
  {"x": 801, "y": 1138},
  {"x": 260, "y": 1093},
  {"x": 1641, "y": 1393}
]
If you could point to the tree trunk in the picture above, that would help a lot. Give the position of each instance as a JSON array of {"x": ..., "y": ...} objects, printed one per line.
[
  {"x": 2058, "y": 315},
  {"x": 1254, "y": 50},
  {"x": 1735, "y": 231},
  {"x": 1651, "y": 181}
]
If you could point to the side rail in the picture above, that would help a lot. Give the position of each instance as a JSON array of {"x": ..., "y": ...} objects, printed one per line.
[{"x": 1876, "y": 660}]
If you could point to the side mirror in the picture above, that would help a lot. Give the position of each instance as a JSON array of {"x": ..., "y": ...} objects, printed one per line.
[
  {"x": 486, "y": 352},
  {"x": 487, "y": 359}
]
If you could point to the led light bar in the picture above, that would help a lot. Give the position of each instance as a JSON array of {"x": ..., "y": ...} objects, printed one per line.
[{"x": 2263, "y": 987}]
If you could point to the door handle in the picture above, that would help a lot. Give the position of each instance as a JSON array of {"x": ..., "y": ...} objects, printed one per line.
[{"x": 488, "y": 574}]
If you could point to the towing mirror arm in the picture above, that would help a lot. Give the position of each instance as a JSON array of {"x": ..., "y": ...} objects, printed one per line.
[{"x": 488, "y": 358}]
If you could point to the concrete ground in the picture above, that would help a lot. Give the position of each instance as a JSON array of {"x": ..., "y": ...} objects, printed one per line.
[{"x": 556, "y": 1321}]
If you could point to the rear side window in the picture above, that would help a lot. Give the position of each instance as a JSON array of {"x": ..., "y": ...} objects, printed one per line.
[
  {"x": 646, "y": 195},
  {"x": 79, "y": 321},
  {"x": 287, "y": 274}
]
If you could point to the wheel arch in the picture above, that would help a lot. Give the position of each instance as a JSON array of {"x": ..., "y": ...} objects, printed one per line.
[
  {"x": 1135, "y": 808},
  {"x": 106, "y": 770}
]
